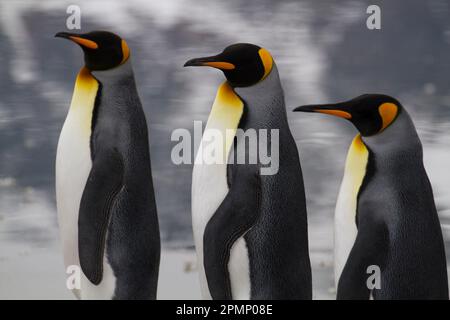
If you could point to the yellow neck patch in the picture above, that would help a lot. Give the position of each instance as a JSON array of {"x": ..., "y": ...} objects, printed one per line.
[
  {"x": 83, "y": 100},
  {"x": 355, "y": 167},
  {"x": 225, "y": 115},
  {"x": 267, "y": 61},
  {"x": 388, "y": 111}
]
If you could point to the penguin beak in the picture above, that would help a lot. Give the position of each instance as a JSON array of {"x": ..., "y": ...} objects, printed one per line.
[
  {"x": 79, "y": 39},
  {"x": 331, "y": 109},
  {"x": 214, "y": 61}
]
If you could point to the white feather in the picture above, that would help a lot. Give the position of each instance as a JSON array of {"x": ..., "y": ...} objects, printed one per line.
[
  {"x": 345, "y": 230},
  {"x": 209, "y": 188},
  {"x": 73, "y": 164}
]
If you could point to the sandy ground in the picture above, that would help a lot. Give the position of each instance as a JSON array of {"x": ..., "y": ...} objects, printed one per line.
[
  {"x": 39, "y": 274},
  {"x": 31, "y": 263}
]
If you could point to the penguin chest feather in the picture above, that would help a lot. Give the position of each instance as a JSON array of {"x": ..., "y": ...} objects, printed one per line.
[
  {"x": 345, "y": 214},
  {"x": 73, "y": 164},
  {"x": 209, "y": 181},
  {"x": 73, "y": 161}
]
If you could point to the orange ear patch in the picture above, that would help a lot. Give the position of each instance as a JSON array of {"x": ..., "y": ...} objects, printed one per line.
[
  {"x": 220, "y": 65},
  {"x": 125, "y": 51},
  {"x": 337, "y": 113},
  {"x": 388, "y": 111},
  {"x": 84, "y": 42},
  {"x": 267, "y": 61}
]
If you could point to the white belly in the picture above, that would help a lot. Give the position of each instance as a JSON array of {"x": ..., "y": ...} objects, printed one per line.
[
  {"x": 344, "y": 226},
  {"x": 345, "y": 230},
  {"x": 73, "y": 164},
  {"x": 239, "y": 270},
  {"x": 209, "y": 188}
]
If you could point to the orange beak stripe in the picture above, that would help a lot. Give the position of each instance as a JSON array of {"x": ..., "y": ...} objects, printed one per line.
[
  {"x": 220, "y": 65},
  {"x": 337, "y": 113},
  {"x": 84, "y": 42}
]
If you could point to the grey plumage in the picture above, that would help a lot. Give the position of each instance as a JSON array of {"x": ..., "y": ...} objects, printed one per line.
[{"x": 398, "y": 226}]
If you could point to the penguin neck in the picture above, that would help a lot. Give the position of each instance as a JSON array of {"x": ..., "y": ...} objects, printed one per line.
[
  {"x": 399, "y": 138},
  {"x": 224, "y": 117},
  {"x": 264, "y": 101},
  {"x": 263, "y": 88},
  {"x": 116, "y": 74}
]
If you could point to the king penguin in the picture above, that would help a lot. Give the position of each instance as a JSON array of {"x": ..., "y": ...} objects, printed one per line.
[
  {"x": 104, "y": 190},
  {"x": 385, "y": 216},
  {"x": 250, "y": 229}
]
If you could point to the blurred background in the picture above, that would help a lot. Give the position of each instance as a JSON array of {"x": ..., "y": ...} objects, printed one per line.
[{"x": 324, "y": 53}]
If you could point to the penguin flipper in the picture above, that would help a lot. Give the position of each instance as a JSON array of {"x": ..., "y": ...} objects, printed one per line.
[
  {"x": 104, "y": 182},
  {"x": 237, "y": 213},
  {"x": 368, "y": 249}
]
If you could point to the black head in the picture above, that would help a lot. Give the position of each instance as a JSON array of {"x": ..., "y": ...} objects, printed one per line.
[
  {"x": 102, "y": 50},
  {"x": 243, "y": 64},
  {"x": 369, "y": 113}
]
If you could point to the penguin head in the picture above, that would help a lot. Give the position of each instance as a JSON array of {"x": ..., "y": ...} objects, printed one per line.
[
  {"x": 369, "y": 113},
  {"x": 243, "y": 64},
  {"x": 102, "y": 50}
]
